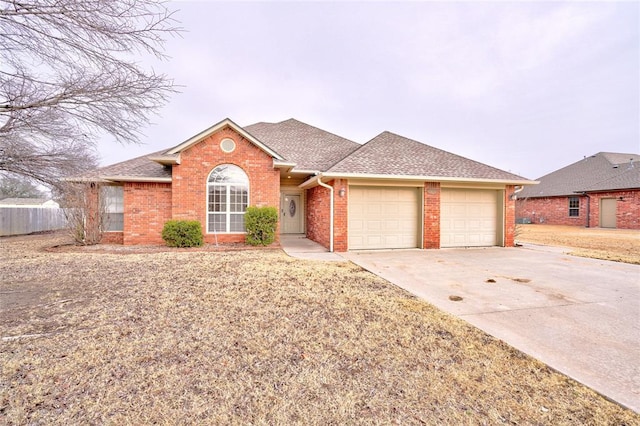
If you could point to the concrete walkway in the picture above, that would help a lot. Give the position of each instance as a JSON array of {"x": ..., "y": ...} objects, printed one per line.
[
  {"x": 579, "y": 316},
  {"x": 299, "y": 246}
]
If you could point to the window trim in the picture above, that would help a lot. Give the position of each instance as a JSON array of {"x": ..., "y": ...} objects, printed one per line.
[
  {"x": 228, "y": 200},
  {"x": 574, "y": 209},
  {"x": 110, "y": 210}
]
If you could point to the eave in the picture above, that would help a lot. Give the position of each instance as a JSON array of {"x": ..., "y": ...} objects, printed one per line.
[
  {"x": 166, "y": 160},
  {"x": 313, "y": 181},
  {"x": 145, "y": 179}
]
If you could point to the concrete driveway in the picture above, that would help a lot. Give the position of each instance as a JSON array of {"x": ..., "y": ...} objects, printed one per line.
[{"x": 579, "y": 316}]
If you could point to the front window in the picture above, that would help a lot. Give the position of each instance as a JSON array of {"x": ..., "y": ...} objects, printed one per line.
[
  {"x": 574, "y": 206},
  {"x": 227, "y": 199},
  {"x": 113, "y": 208}
]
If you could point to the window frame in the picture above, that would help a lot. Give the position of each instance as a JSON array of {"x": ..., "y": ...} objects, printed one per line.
[
  {"x": 112, "y": 209},
  {"x": 232, "y": 198},
  {"x": 574, "y": 206}
]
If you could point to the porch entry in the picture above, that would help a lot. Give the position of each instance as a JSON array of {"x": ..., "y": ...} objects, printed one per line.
[{"x": 291, "y": 214}]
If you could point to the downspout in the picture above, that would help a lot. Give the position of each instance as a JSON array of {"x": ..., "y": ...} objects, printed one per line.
[
  {"x": 588, "y": 208},
  {"x": 330, "y": 188},
  {"x": 517, "y": 188}
]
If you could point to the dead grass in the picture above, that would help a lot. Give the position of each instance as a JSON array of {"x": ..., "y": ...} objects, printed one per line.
[
  {"x": 620, "y": 245},
  {"x": 252, "y": 337}
]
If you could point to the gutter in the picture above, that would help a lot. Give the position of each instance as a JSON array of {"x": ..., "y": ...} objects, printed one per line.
[{"x": 330, "y": 188}]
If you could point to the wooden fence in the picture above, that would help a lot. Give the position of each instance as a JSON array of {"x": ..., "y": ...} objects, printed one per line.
[{"x": 27, "y": 220}]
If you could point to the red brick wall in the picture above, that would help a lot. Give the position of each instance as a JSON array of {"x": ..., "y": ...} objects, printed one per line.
[
  {"x": 431, "y": 236},
  {"x": 189, "y": 187},
  {"x": 509, "y": 217},
  {"x": 551, "y": 210},
  {"x": 340, "y": 215},
  {"x": 627, "y": 209},
  {"x": 147, "y": 206},
  {"x": 555, "y": 210},
  {"x": 112, "y": 237},
  {"x": 318, "y": 213}
]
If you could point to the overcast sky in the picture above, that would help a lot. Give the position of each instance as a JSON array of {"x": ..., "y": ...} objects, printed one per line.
[{"x": 527, "y": 87}]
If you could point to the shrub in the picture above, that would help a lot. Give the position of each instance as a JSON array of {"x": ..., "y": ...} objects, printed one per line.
[
  {"x": 261, "y": 225},
  {"x": 182, "y": 233}
]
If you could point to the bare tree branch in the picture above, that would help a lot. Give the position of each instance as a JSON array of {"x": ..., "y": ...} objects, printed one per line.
[{"x": 69, "y": 71}]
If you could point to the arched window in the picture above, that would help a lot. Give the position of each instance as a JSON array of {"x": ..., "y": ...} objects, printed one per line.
[{"x": 227, "y": 199}]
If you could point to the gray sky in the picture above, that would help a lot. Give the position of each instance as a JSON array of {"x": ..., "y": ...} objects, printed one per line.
[{"x": 527, "y": 87}]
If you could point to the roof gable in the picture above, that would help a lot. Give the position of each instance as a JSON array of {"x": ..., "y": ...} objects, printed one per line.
[
  {"x": 309, "y": 147},
  {"x": 392, "y": 154},
  {"x": 599, "y": 172},
  {"x": 215, "y": 128}
]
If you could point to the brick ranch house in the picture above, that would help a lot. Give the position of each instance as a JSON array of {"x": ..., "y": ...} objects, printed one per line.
[
  {"x": 391, "y": 192},
  {"x": 602, "y": 190}
]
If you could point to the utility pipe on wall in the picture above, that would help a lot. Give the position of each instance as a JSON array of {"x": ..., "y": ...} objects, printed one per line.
[{"x": 330, "y": 188}]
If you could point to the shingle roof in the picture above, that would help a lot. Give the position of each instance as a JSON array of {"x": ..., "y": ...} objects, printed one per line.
[
  {"x": 307, "y": 146},
  {"x": 140, "y": 167},
  {"x": 391, "y": 154},
  {"x": 313, "y": 149},
  {"x": 599, "y": 172}
]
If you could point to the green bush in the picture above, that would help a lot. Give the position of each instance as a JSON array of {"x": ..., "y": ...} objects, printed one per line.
[
  {"x": 261, "y": 225},
  {"x": 182, "y": 233}
]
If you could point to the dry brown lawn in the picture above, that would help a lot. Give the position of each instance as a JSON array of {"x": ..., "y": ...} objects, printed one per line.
[
  {"x": 621, "y": 245},
  {"x": 252, "y": 337}
]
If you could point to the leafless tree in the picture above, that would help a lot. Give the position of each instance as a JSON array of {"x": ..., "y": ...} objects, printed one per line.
[
  {"x": 85, "y": 210},
  {"x": 69, "y": 72},
  {"x": 11, "y": 187}
]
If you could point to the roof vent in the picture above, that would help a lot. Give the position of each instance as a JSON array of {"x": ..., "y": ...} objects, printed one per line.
[{"x": 615, "y": 166}]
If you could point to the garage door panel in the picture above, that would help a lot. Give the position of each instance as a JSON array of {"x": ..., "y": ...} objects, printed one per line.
[
  {"x": 383, "y": 217},
  {"x": 468, "y": 217}
]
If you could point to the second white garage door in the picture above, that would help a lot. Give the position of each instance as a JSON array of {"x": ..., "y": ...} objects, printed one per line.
[
  {"x": 468, "y": 217},
  {"x": 383, "y": 217}
]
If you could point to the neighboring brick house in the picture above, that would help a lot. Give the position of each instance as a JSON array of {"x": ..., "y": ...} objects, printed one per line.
[
  {"x": 391, "y": 192},
  {"x": 601, "y": 190}
]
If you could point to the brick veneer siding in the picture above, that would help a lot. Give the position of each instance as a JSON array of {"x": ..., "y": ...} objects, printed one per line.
[
  {"x": 112, "y": 237},
  {"x": 627, "y": 209},
  {"x": 431, "y": 237},
  {"x": 319, "y": 213},
  {"x": 340, "y": 215},
  {"x": 509, "y": 216},
  {"x": 189, "y": 179},
  {"x": 317, "y": 205},
  {"x": 147, "y": 206},
  {"x": 555, "y": 210},
  {"x": 551, "y": 210}
]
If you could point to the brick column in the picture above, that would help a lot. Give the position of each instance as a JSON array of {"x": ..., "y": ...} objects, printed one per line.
[
  {"x": 431, "y": 235},
  {"x": 509, "y": 216}
]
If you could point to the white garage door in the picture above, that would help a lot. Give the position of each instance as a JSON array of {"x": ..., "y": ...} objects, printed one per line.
[
  {"x": 383, "y": 217},
  {"x": 468, "y": 217}
]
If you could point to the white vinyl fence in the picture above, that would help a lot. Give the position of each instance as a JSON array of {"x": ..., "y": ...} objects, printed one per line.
[{"x": 26, "y": 220}]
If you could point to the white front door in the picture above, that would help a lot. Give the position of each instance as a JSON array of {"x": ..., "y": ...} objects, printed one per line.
[{"x": 291, "y": 214}]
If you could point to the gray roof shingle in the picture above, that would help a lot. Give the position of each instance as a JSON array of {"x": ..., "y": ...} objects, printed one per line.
[
  {"x": 600, "y": 172},
  {"x": 307, "y": 146},
  {"x": 140, "y": 167},
  {"x": 313, "y": 149},
  {"x": 391, "y": 154}
]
